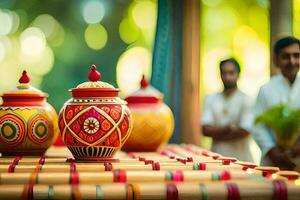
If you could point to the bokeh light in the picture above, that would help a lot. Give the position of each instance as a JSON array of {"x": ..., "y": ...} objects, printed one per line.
[
  {"x": 93, "y": 11},
  {"x": 253, "y": 67},
  {"x": 211, "y": 77},
  {"x": 5, "y": 47},
  {"x": 95, "y": 36},
  {"x": 40, "y": 65},
  {"x": 2, "y": 51},
  {"x": 211, "y": 2},
  {"x": 52, "y": 29},
  {"x": 144, "y": 14},
  {"x": 46, "y": 23},
  {"x": 69, "y": 48},
  {"x": 297, "y": 182},
  {"x": 132, "y": 64},
  {"x": 129, "y": 33},
  {"x": 33, "y": 41},
  {"x": 6, "y": 22},
  {"x": 15, "y": 22},
  {"x": 296, "y": 18}
]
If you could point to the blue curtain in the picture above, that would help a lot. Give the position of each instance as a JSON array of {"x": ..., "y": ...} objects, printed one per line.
[{"x": 167, "y": 53}]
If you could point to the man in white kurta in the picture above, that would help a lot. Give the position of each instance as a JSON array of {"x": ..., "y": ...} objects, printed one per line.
[
  {"x": 281, "y": 89},
  {"x": 226, "y": 116}
]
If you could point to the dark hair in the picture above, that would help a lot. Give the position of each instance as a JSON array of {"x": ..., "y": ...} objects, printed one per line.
[
  {"x": 284, "y": 42},
  {"x": 233, "y": 61}
]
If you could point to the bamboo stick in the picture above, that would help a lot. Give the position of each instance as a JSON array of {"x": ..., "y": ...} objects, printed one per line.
[
  {"x": 126, "y": 176},
  {"x": 261, "y": 190}
]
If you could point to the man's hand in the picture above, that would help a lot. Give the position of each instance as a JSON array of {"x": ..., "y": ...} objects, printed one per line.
[
  {"x": 280, "y": 159},
  {"x": 222, "y": 133}
]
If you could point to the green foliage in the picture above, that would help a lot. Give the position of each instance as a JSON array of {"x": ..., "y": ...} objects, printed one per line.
[{"x": 283, "y": 120}]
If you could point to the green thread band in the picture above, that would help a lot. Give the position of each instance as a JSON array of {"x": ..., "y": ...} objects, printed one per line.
[
  {"x": 168, "y": 176},
  {"x": 215, "y": 176},
  {"x": 99, "y": 193},
  {"x": 50, "y": 192},
  {"x": 204, "y": 192},
  {"x": 195, "y": 166},
  {"x": 41, "y": 168}
]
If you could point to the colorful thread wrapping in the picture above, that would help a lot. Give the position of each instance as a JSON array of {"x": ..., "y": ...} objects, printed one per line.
[
  {"x": 215, "y": 176},
  {"x": 172, "y": 192},
  {"x": 27, "y": 193},
  {"x": 16, "y": 160},
  {"x": 74, "y": 178},
  {"x": 129, "y": 192},
  {"x": 233, "y": 191},
  {"x": 280, "y": 190},
  {"x": 11, "y": 168},
  {"x": 120, "y": 176},
  {"x": 133, "y": 191},
  {"x": 147, "y": 162},
  {"x": 204, "y": 192},
  {"x": 189, "y": 159},
  {"x": 75, "y": 192},
  {"x": 50, "y": 192},
  {"x": 72, "y": 167},
  {"x": 42, "y": 160},
  {"x": 156, "y": 166},
  {"x": 202, "y": 166},
  {"x": 225, "y": 175},
  {"x": 99, "y": 193},
  {"x": 108, "y": 166},
  {"x": 142, "y": 158},
  {"x": 178, "y": 176}
]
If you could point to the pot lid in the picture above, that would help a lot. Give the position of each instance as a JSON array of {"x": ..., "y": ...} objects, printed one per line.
[
  {"x": 24, "y": 89},
  {"x": 94, "y": 88},
  {"x": 146, "y": 94}
]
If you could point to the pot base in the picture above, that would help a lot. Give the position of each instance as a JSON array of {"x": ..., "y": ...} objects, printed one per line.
[{"x": 93, "y": 160}]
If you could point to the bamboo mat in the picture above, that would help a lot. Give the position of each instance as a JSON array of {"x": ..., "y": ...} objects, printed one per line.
[{"x": 175, "y": 172}]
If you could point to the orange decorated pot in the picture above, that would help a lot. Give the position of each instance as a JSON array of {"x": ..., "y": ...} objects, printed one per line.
[
  {"x": 95, "y": 122},
  {"x": 153, "y": 121},
  {"x": 28, "y": 124}
]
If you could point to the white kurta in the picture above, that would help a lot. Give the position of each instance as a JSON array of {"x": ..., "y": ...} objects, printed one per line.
[
  {"x": 235, "y": 110},
  {"x": 276, "y": 91}
]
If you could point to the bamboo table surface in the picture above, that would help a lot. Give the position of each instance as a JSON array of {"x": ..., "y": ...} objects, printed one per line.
[{"x": 175, "y": 172}]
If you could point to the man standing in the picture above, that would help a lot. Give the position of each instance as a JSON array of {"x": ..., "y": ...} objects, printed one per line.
[
  {"x": 281, "y": 89},
  {"x": 226, "y": 115}
]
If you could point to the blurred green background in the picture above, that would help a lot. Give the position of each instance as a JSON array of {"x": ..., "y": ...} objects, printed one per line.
[{"x": 57, "y": 41}]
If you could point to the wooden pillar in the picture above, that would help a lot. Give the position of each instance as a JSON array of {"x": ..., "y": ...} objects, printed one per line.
[
  {"x": 281, "y": 24},
  {"x": 190, "y": 102}
]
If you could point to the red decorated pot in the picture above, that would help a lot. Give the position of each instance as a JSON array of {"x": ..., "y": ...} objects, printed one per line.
[
  {"x": 153, "y": 121},
  {"x": 28, "y": 124},
  {"x": 95, "y": 122}
]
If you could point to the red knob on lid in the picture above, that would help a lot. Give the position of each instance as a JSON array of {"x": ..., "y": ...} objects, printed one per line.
[
  {"x": 24, "y": 78},
  {"x": 144, "y": 82},
  {"x": 94, "y": 75}
]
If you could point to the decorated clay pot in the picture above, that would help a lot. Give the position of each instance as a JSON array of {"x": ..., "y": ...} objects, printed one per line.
[
  {"x": 95, "y": 122},
  {"x": 153, "y": 121},
  {"x": 28, "y": 124}
]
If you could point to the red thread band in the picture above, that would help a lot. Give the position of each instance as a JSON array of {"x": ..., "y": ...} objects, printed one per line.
[
  {"x": 178, "y": 176},
  {"x": 74, "y": 178},
  {"x": 72, "y": 167},
  {"x": 42, "y": 160},
  {"x": 11, "y": 168},
  {"x": 108, "y": 166},
  {"x": 202, "y": 166},
  {"x": 156, "y": 166},
  {"x": 172, "y": 192},
  {"x": 120, "y": 176}
]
